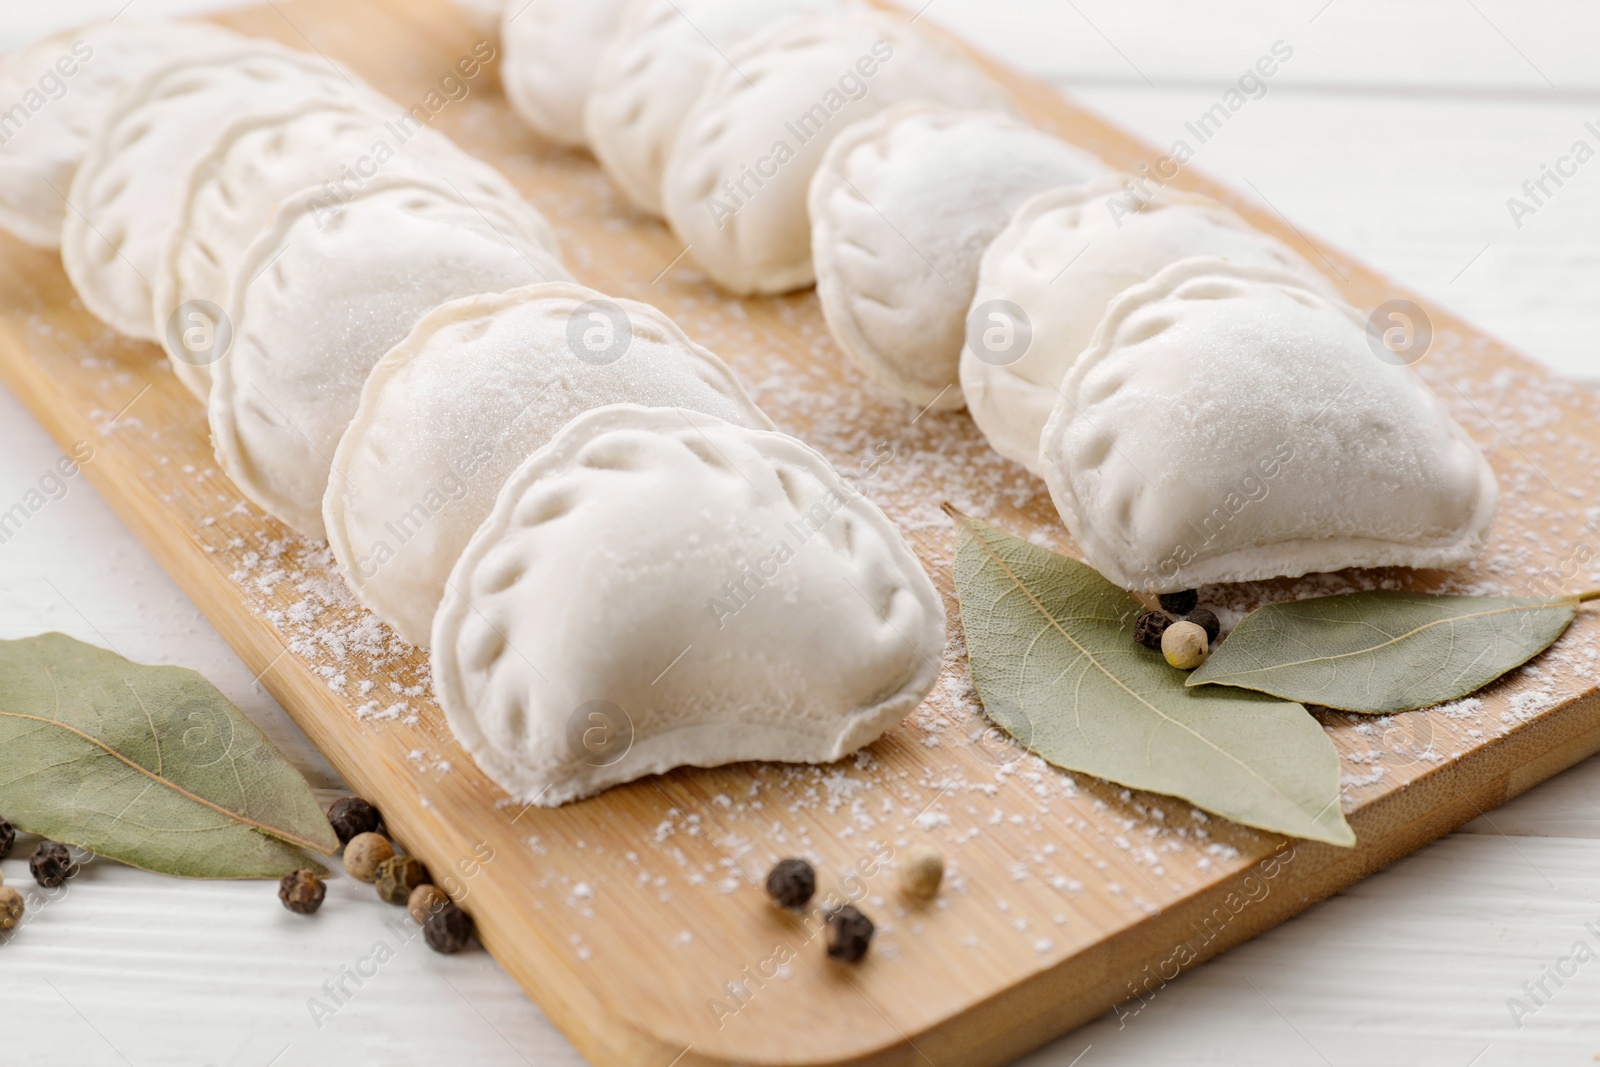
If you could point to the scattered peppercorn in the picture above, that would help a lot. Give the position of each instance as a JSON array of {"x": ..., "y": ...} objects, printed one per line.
[
  {"x": 1185, "y": 645},
  {"x": 11, "y": 907},
  {"x": 448, "y": 929},
  {"x": 302, "y": 891},
  {"x": 52, "y": 864},
  {"x": 921, "y": 871},
  {"x": 1179, "y": 603},
  {"x": 8, "y": 837},
  {"x": 364, "y": 853},
  {"x": 1207, "y": 620},
  {"x": 351, "y": 817},
  {"x": 849, "y": 934},
  {"x": 398, "y": 876},
  {"x": 792, "y": 883},
  {"x": 1149, "y": 628},
  {"x": 424, "y": 901}
]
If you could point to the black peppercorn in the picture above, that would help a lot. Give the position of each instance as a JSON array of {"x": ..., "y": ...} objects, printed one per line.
[
  {"x": 351, "y": 816},
  {"x": 8, "y": 837},
  {"x": 1179, "y": 603},
  {"x": 1149, "y": 628},
  {"x": 302, "y": 891},
  {"x": 1207, "y": 620},
  {"x": 398, "y": 876},
  {"x": 448, "y": 929},
  {"x": 52, "y": 864},
  {"x": 849, "y": 934},
  {"x": 791, "y": 883}
]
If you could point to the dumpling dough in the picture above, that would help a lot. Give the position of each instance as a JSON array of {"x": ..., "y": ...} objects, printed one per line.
[
  {"x": 1230, "y": 423},
  {"x": 1062, "y": 259},
  {"x": 902, "y": 209},
  {"x": 63, "y": 85},
  {"x": 735, "y": 186},
  {"x": 128, "y": 194},
  {"x": 552, "y": 48},
  {"x": 327, "y": 148},
  {"x": 719, "y": 592},
  {"x": 477, "y": 387},
  {"x": 650, "y": 75},
  {"x": 319, "y": 300}
]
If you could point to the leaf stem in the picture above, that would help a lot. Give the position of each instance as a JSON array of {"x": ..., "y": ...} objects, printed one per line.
[{"x": 1593, "y": 594}]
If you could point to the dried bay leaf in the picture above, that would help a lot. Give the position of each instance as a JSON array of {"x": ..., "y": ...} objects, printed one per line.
[
  {"x": 1384, "y": 651},
  {"x": 150, "y": 766},
  {"x": 1054, "y": 662}
]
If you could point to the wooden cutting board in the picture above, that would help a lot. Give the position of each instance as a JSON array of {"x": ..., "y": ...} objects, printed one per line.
[{"x": 637, "y": 919}]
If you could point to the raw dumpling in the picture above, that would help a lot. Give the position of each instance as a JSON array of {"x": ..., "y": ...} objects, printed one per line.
[
  {"x": 128, "y": 194},
  {"x": 330, "y": 150},
  {"x": 902, "y": 209},
  {"x": 735, "y": 186},
  {"x": 658, "y": 588},
  {"x": 478, "y": 386},
  {"x": 57, "y": 90},
  {"x": 653, "y": 71},
  {"x": 1060, "y": 261},
  {"x": 1230, "y": 423},
  {"x": 484, "y": 15},
  {"x": 318, "y": 300},
  {"x": 552, "y": 48}
]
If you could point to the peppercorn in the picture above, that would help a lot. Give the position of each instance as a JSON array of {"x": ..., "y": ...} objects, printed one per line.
[
  {"x": 352, "y": 816},
  {"x": 1149, "y": 628},
  {"x": 1185, "y": 645},
  {"x": 792, "y": 883},
  {"x": 364, "y": 853},
  {"x": 1207, "y": 620},
  {"x": 1179, "y": 603},
  {"x": 398, "y": 876},
  {"x": 8, "y": 837},
  {"x": 302, "y": 891},
  {"x": 52, "y": 864},
  {"x": 448, "y": 929},
  {"x": 425, "y": 900},
  {"x": 11, "y": 907},
  {"x": 921, "y": 871},
  {"x": 849, "y": 934}
]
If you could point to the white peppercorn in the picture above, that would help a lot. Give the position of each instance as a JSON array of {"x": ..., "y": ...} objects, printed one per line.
[
  {"x": 1185, "y": 645},
  {"x": 921, "y": 871},
  {"x": 365, "y": 854}
]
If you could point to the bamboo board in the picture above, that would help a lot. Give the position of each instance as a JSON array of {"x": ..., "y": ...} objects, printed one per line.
[{"x": 636, "y": 919}]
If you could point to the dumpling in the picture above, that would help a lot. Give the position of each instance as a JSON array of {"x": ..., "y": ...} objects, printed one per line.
[
  {"x": 658, "y": 588},
  {"x": 57, "y": 90},
  {"x": 1060, "y": 261},
  {"x": 328, "y": 149},
  {"x": 902, "y": 209},
  {"x": 651, "y": 73},
  {"x": 320, "y": 297},
  {"x": 736, "y": 182},
  {"x": 129, "y": 191},
  {"x": 1230, "y": 423},
  {"x": 552, "y": 48},
  {"x": 484, "y": 15},
  {"x": 478, "y": 386}
]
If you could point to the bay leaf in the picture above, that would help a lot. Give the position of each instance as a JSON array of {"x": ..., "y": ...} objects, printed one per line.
[
  {"x": 1384, "y": 651},
  {"x": 1054, "y": 661},
  {"x": 150, "y": 766}
]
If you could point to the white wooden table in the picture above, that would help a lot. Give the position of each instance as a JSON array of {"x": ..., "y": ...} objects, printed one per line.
[{"x": 1395, "y": 131}]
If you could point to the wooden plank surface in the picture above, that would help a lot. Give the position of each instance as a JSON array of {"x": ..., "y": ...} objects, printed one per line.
[{"x": 1143, "y": 878}]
